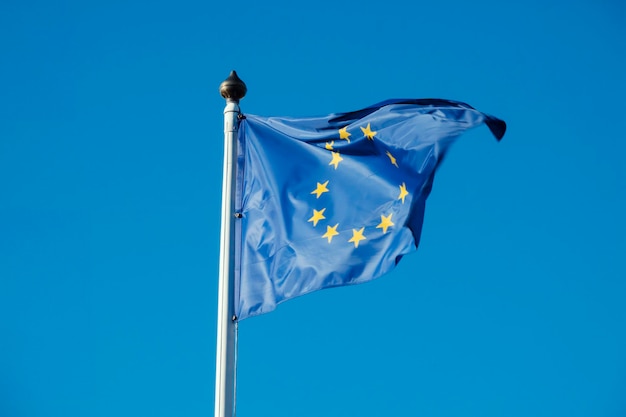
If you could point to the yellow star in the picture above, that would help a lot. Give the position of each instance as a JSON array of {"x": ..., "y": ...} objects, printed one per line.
[
  {"x": 343, "y": 134},
  {"x": 336, "y": 159},
  {"x": 330, "y": 232},
  {"x": 321, "y": 188},
  {"x": 403, "y": 192},
  {"x": 368, "y": 132},
  {"x": 393, "y": 160},
  {"x": 385, "y": 223},
  {"x": 357, "y": 236},
  {"x": 329, "y": 145},
  {"x": 317, "y": 216}
]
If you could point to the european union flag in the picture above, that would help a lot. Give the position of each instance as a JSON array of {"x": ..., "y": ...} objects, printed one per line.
[{"x": 336, "y": 200}]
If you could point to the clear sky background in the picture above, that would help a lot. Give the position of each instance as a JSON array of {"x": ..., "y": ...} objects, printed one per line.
[{"x": 110, "y": 187}]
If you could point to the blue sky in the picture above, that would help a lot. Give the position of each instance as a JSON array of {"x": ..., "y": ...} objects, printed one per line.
[{"x": 110, "y": 187}]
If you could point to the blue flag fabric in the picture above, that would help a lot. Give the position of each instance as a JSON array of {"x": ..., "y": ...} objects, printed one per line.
[{"x": 336, "y": 200}]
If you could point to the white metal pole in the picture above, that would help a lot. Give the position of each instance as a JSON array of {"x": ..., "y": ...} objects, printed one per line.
[{"x": 232, "y": 89}]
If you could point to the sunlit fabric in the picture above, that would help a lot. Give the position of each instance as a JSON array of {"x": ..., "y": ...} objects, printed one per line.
[{"x": 336, "y": 200}]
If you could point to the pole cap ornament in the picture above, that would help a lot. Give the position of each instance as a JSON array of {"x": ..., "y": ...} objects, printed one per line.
[{"x": 232, "y": 88}]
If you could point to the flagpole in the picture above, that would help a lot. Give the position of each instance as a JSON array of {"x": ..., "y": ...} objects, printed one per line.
[{"x": 232, "y": 89}]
